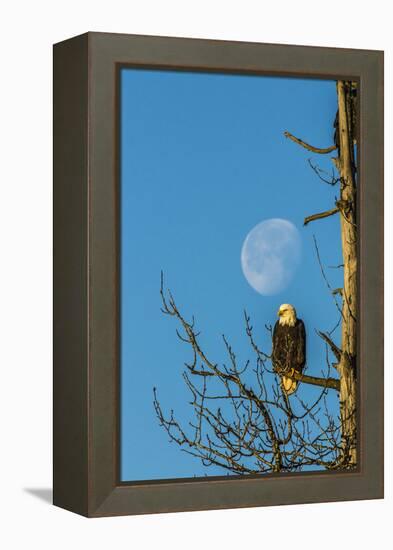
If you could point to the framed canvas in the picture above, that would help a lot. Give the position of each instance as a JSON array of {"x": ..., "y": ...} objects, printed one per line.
[{"x": 218, "y": 274}]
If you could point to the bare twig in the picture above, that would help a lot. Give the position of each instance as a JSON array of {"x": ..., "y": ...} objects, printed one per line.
[
  {"x": 325, "y": 277},
  {"x": 335, "y": 349},
  {"x": 332, "y": 180}
]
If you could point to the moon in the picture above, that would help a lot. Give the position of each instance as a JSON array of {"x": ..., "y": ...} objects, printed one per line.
[{"x": 270, "y": 255}]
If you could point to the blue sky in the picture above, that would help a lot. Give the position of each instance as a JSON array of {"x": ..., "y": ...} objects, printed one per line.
[{"x": 203, "y": 161}]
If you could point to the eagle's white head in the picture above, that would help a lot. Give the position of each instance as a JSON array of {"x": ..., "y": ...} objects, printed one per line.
[{"x": 287, "y": 315}]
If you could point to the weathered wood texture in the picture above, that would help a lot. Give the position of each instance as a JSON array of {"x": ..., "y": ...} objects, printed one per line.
[{"x": 349, "y": 238}]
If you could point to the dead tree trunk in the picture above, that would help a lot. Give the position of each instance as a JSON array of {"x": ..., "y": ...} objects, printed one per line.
[{"x": 347, "y": 206}]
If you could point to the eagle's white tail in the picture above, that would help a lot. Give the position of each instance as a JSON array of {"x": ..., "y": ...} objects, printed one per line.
[{"x": 289, "y": 385}]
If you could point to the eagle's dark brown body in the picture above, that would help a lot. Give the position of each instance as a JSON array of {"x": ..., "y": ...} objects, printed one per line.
[{"x": 289, "y": 351}]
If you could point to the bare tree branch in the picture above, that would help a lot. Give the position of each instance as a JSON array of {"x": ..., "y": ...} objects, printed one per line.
[
  {"x": 320, "y": 215},
  {"x": 331, "y": 383},
  {"x": 332, "y": 180},
  {"x": 309, "y": 147},
  {"x": 335, "y": 349}
]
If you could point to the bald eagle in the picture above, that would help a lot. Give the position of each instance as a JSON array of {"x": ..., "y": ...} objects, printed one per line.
[{"x": 289, "y": 346}]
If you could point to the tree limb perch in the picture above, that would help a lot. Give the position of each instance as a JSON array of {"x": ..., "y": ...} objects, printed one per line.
[{"x": 332, "y": 383}]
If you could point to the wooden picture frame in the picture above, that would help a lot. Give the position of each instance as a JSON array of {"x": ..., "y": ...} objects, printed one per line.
[{"x": 86, "y": 275}]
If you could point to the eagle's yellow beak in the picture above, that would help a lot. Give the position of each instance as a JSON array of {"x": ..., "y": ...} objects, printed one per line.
[{"x": 279, "y": 312}]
